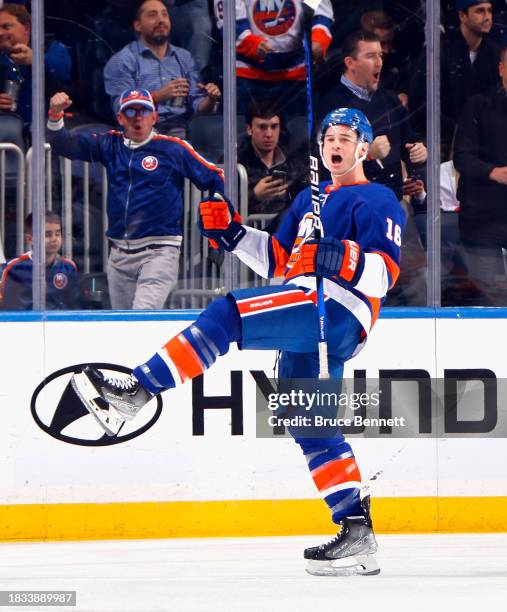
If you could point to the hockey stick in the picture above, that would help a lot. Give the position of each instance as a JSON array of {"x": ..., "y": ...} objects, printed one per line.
[
  {"x": 377, "y": 475},
  {"x": 367, "y": 486},
  {"x": 309, "y": 7}
]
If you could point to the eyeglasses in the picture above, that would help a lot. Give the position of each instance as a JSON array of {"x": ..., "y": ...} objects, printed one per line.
[{"x": 131, "y": 112}]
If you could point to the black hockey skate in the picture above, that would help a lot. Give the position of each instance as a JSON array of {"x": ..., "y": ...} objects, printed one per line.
[
  {"x": 110, "y": 400},
  {"x": 350, "y": 553}
]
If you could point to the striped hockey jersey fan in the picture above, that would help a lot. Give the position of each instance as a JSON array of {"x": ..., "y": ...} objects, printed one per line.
[{"x": 280, "y": 24}]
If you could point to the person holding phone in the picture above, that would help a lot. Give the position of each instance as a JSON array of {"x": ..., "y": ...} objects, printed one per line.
[{"x": 273, "y": 180}]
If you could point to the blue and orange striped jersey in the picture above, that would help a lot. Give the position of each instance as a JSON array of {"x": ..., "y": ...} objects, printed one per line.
[
  {"x": 145, "y": 182},
  {"x": 366, "y": 213},
  {"x": 280, "y": 24},
  {"x": 62, "y": 291}
]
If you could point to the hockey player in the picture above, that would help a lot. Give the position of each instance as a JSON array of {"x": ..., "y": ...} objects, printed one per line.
[{"x": 358, "y": 257}]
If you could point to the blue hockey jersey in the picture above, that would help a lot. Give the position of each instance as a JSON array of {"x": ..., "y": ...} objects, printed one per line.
[
  {"x": 145, "y": 182},
  {"x": 367, "y": 213},
  {"x": 62, "y": 291}
]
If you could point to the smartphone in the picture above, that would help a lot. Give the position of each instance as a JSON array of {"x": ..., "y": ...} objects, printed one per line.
[
  {"x": 414, "y": 176},
  {"x": 279, "y": 175}
]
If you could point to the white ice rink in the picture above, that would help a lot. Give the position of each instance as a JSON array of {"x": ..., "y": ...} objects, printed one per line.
[{"x": 419, "y": 572}]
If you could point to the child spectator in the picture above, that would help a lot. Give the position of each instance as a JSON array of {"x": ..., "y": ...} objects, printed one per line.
[{"x": 61, "y": 273}]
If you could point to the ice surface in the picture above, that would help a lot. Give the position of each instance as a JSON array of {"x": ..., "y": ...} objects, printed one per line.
[{"x": 419, "y": 572}]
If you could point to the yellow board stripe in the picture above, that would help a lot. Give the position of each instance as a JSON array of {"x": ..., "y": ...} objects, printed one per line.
[{"x": 243, "y": 518}]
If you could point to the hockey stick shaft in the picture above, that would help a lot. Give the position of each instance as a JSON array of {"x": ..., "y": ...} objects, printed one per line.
[{"x": 310, "y": 6}]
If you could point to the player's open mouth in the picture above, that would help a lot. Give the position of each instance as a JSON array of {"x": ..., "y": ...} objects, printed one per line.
[{"x": 336, "y": 159}]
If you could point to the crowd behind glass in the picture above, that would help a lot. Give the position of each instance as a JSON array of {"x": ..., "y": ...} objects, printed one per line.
[{"x": 368, "y": 54}]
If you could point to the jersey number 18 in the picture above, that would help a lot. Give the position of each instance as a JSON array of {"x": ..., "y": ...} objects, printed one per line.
[{"x": 396, "y": 236}]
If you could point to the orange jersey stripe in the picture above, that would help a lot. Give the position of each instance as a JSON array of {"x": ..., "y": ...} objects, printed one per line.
[
  {"x": 192, "y": 151},
  {"x": 391, "y": 265},
  {"x": 335, "y": 472},
  {"x": 350, "y": 259},
  {"x": 291, "y": 74},
  {"x": 331, "y": 187},
  {"x": 321, "y": 36},
  {"x": 69, "y": 261},
  {"x": 184, "y": 357},
  {"x": 375, "y": 307},
  {"x": 7, "y": 270},
  {"x": 249, "y": 46},
  {"x": 281, "y": 257}
]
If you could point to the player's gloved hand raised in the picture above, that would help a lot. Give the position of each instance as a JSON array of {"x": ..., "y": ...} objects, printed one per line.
[
  {"x": 220, "y": 222},
  {"x": 341, "y": 260}
]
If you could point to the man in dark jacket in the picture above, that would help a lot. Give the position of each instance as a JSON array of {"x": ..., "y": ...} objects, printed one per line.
[
  {"x": 359, "y": 87},
  {"x": 481, "y": 158},
  {"x": 469, "y": 60}
]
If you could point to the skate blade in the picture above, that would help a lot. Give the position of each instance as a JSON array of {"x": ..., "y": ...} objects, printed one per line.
[
  {"x": 110, "y": 421},
  {"x": 358, "y": 565},
  {"x": 124, "y": 410}
]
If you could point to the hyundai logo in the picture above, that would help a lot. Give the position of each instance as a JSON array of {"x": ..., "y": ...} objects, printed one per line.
[{"x": 59, "y": 412}]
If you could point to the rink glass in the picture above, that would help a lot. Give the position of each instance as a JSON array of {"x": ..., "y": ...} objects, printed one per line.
[{"x": 434, "y": 263}]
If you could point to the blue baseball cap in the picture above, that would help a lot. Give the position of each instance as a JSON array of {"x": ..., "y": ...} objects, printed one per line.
[
  {"x": 464, "y": 5},
  {"x": 136, "y": 97}
]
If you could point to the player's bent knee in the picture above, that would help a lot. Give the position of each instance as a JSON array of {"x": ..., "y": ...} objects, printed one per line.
[{"x": 221, "y": 323}]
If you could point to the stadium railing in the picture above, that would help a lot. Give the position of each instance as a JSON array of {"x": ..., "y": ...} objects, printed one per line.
[
  {"x": 82, "y": 190},
  {"x": 8, "y": 181}
]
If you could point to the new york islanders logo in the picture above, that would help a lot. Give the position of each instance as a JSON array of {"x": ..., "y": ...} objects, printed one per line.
[
  {"x": 60, "y": 280},
  {"x": 274, "y": 17},
  {"x": 150, "y": 163}
]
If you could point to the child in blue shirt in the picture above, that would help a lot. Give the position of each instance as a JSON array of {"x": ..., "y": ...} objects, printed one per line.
[{"x": 61, "y": 274}]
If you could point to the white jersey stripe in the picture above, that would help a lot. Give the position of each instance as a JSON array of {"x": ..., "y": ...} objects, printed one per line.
[
  {"x": 351, "y": 484},
  {"x": 273, "y": 308}
]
